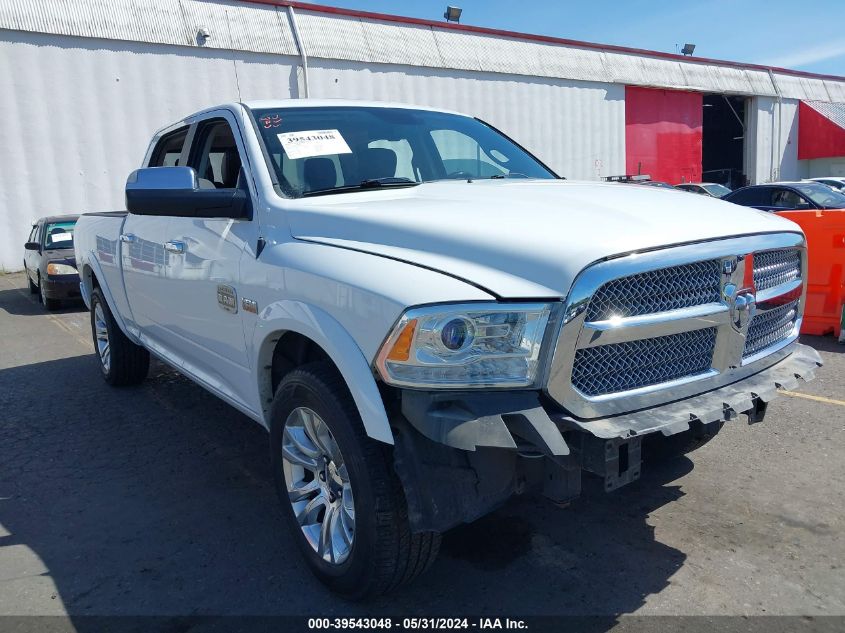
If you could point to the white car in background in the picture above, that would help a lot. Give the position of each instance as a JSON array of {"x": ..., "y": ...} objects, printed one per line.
[
  {"x": 712, "y": 189},
  {"x": 428, "y": 320},
  {"x": 831, "y": 181}
]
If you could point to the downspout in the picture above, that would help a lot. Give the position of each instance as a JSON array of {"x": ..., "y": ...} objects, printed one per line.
[
  {"x": 301, "y": 48},
  {"x": 775, "y": 174}
]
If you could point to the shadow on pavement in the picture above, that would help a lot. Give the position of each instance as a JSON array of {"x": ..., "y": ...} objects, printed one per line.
[
  {"x": 823, "y": 343},
  {"x": 22, "y": 303},
  {"x": 157, "y": 500}
]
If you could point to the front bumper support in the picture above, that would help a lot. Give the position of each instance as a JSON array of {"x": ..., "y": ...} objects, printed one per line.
[
  {"x": 749, "y": 396},
  {"x": 459, "y": 455}
]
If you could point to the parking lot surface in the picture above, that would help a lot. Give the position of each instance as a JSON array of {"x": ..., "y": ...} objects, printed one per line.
[{"x": 158, "y": 500}]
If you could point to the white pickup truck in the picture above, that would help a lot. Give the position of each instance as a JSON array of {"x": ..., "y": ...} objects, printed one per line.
[{"x": 428, "y": 320}]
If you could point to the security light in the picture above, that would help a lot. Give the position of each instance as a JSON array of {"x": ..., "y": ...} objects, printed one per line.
[
  {"x": 688, "y": 49},
  {"x": 453, "y": 14}
]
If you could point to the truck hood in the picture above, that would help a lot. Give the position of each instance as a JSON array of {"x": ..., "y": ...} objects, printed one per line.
[{"x": 520, "y": 238}]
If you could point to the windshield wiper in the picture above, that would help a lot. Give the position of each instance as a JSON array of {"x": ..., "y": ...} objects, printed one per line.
[
  {"x": 513, "y": 174},
  {"x": 369, "y": 183}
]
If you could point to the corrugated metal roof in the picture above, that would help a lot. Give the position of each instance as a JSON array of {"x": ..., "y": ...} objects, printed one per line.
[
  {"x": 833, "y": 111},
  {"x": 793, "y": 87},
  {"x": 239, "y": 26},
  {"x": 351, "y": 36}
]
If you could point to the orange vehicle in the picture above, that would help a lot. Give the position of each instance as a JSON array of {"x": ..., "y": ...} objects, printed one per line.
[{"x": 820, "y": 211}]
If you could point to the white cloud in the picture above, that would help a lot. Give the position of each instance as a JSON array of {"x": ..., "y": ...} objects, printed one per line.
[{"x": 809, "y": 55}]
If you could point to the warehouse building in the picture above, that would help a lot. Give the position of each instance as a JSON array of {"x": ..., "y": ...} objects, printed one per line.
[{"x": 85, "y": 83}]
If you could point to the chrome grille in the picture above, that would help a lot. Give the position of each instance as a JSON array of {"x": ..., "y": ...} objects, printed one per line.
[
  {"x": 773, "y": 268},
  {"x": 770, "y": 327},
  {"x": 657, "y": 291},
  {"x": 624, "y": 366}
]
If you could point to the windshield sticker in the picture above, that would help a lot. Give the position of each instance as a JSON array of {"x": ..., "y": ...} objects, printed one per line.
[
  {"x": 270, "y": 121},
  {"x": 60, "y": 237},
  {"x": 310, "y": 143}
]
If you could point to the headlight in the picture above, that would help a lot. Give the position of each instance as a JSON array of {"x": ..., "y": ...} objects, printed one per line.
[
  {"x": 466, "y": 346},
  {"x": 60, "y": 269}
]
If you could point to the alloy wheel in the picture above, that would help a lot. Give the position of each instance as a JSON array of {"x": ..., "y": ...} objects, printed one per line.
[
  {"x": 101, "y": 336},
  {"x": 318, "y": 485}
]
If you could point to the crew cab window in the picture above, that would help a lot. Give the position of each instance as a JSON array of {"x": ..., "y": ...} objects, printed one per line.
[
  {"x": 215, "y": 157},
  {"x": 168, "y": 149}
]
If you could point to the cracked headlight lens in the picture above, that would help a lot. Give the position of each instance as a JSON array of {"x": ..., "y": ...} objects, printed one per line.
[{"x": 466, "y": 346}]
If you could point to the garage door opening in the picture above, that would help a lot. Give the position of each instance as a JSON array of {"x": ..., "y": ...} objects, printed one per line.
[{"x": 722, "y": 140}]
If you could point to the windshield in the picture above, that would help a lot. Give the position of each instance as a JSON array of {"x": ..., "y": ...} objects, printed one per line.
[
  {"x": 332, "y": 149},
  {"x": 59, "y": 235},
  {"x": 716, "y": 190},
  {"x": 822, "y": 195}
]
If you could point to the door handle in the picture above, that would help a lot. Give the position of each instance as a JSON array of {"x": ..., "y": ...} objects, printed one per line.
[
  {"x": 127, "y": 237},
  {"x": 174, "y": 246}
]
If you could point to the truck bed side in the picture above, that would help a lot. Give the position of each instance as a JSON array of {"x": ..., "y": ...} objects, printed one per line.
[{"x": 97, "y": 245}]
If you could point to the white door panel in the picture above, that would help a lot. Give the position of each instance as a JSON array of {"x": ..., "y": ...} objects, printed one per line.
[
  {"x": 209, "y": 334},
  {"x": 143, "y": 261}
]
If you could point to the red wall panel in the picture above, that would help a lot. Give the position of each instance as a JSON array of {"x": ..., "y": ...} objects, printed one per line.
[
  {"x": 818, "y": 136},
  {"x": 663, "y": 131}
]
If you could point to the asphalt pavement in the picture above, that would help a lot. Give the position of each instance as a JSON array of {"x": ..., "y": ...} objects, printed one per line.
[{"x": 157, "y": 500}]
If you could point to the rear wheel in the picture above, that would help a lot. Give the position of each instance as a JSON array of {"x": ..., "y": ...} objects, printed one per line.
[
  {"x": 121, "y": 361},
  {"x": 49, "y": 304},
  {"x": 341, "y": 497}
]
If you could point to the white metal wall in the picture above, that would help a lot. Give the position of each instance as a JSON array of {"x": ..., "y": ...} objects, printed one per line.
[
  {"x": 771, "y": 149},
  {"x": 84, "y": 83},
  {"x": 266, "y": 29},
  {"x": 577, "y": 128},
  {"x": 820, "y": 167},
  {"x": 78, "y": 113}
]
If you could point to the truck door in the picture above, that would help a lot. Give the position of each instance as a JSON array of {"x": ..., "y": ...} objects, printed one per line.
[
  {"x": 203, "y": 265},
  {"x": 142, "y": 254}
]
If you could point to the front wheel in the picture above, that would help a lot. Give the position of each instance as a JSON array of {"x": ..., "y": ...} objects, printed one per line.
[
  {"x": 33, "y": 289},
  {"x": 49, "y": 304},
  {"x": 341, "y": 497},
  {"x": 121, "y": 361}
]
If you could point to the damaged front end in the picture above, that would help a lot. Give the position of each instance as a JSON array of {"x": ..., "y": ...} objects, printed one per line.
[{"x": 460, "y": 455}]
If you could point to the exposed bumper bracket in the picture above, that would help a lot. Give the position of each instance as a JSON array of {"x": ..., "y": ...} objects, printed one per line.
[
  {"x": 468, "y": 421},
  {"x": 748, "y": 396}
]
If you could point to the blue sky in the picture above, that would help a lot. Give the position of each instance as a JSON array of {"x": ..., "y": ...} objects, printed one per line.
[{"x": 802, "y": 34}]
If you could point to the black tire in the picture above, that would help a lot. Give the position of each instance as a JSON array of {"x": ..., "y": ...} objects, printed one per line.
[
  {"x": 385, "y": 553},
  {"x": 658, "y": 447},
  {"x": 49, "y": 304},
  {"x": 33, "y": 289},
  {"x": 128, "y": 363}
]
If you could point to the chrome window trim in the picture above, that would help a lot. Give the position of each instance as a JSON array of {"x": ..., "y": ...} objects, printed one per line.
[{"x": 728, "y": 366}]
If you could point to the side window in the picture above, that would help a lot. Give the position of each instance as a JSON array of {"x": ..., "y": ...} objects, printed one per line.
[
  {"x": 787, "y": 199},
  {"x": 752, "y": 197},
  {"x": 168, "y": 149},
  {"x": 462, "y": 154},
  {"x": 33, "y": 234},
  {"x": 215, "y": 155}
]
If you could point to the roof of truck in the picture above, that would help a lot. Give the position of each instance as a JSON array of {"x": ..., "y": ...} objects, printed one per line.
[{"x": 328, "y": 103}]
